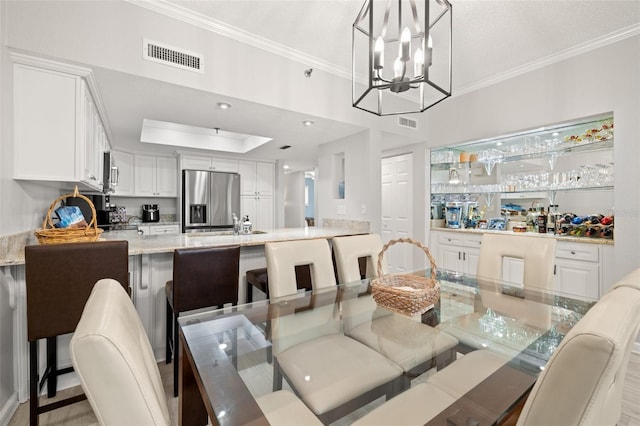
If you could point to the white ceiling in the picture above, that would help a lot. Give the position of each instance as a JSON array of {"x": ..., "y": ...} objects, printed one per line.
[{"x": 492, "y": 39}]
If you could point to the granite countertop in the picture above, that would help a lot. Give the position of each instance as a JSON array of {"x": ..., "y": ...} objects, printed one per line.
[
  {"x": 569, "y": 238},
  {"x": 13, "y": 253}
]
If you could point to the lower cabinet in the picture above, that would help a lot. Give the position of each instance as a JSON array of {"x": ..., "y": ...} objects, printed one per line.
[
  {"x": 459, "y": 252},
  {"x": 577, "y": 269},
  {"x": 580, "y": 269}
]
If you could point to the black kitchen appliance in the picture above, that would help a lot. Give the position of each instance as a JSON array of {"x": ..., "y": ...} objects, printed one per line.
[{"x": 150, "y": 213}]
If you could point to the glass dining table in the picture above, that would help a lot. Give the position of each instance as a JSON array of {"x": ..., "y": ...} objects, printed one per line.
[{"x": 227, "y": 355}]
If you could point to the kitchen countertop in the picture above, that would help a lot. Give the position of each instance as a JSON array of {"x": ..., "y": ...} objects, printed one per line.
[
  {"x": 569, "y": 238},
  {"x": 150, "y": 244}
]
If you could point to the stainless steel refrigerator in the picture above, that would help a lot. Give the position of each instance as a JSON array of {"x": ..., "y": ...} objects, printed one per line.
[{"x": 209, "y": 200}]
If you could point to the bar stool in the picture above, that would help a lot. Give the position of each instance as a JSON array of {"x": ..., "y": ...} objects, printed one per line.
[
  {"x": 258, "y": 278},
  {"x": 202, "y": 277},
  {"x": 59, "y": 280}
]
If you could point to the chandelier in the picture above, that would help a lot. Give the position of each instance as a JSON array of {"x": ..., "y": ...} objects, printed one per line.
[{"x": 401, "y": 55}]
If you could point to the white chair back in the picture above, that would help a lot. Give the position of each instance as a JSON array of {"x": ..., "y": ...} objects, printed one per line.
[
  {"x": 348, "y": 250},
  {"x": 536, "y": 252},
  {"x": 283, "y": 257},
  {"x": 112, "y": 356},
  {"x": 583, "y": 381}
]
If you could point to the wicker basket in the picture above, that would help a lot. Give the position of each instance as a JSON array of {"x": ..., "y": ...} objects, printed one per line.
[
  {"x": 49, "y": 234},
  {"x": 406, "y": 294}
]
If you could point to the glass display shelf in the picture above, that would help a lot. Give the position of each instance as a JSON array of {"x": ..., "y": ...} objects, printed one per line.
[
  {"x": 557, "y": 151},
  {"x": 443, "y": 189}
]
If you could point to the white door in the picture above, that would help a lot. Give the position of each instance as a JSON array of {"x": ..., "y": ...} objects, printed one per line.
[{"x": 397, "y": 211}]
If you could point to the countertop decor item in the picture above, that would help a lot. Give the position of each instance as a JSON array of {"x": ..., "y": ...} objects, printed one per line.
[
  {"x": 406, "y": 294},
  {"x": 49, "y": 234},
  {"x": 401, "y": 46}
]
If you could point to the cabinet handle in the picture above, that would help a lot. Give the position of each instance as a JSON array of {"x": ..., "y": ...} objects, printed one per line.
[
  {"x": 464, "y": 256},
  {"x": 573, "y": 252},
  {"x": 449, "y": 239},
  {"x": 459, "y": 256},
  {"x": 554, "y": 269}
]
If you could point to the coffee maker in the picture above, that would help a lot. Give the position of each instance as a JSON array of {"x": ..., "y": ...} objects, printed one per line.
[{"x": 150, "y": 213}]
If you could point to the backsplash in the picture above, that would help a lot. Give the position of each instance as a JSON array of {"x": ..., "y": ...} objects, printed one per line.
[{"x": 353, "y": 225}]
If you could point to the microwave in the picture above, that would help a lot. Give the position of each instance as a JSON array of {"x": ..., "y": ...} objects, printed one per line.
[{"x": 111, "y": 173}]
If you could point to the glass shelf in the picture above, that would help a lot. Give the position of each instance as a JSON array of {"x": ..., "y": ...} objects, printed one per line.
[
  {"x": 487, "y": 189},
  {"x": 557, "y": 151}
]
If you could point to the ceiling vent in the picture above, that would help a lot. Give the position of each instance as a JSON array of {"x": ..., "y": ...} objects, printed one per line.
[
  {"x": 285, "y": 147},
  {"x": 407, "y": 122},
  {"x": 169, "y": 55}
]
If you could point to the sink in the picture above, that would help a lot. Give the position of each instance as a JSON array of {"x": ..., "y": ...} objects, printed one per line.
[{"x": 258, "y": 232}]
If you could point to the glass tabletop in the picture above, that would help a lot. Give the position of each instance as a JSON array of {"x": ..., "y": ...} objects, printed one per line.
[{"x": 231, "y": 350}]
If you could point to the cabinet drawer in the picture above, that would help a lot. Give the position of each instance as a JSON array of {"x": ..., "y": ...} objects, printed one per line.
[
  {"x": 450, "y": 238},
  {"x": 473, "y": 241},
  {"x": 164, "y": 229},
  {"x": 577, "y": 251}
]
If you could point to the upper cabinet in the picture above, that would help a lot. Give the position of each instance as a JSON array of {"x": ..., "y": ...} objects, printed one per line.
[
  {"x": 59, "y": 134},
  {"x": 125, "y": 164},
  {"x": 155, "y": 176},
  {"x": 216, "y": 164},
  {"x": 257, "y": 177}
]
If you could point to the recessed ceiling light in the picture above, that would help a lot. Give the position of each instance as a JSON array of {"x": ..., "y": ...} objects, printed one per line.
[
  {"x": 307, "y": 123},
  {"x": 555, "y": 134},
  {"x": 286, "y": 167},
  {"x": 223, "y": 105},
  {"x": 498, "y": 143}
]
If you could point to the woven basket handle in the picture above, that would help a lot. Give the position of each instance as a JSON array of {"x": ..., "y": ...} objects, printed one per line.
[
  {"x": 418, "y": 244},
  {"x": 48, "y": 222}
]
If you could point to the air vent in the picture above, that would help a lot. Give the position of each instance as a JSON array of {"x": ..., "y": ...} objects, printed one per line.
[
  {"x": 407, "y": 122},
  {"x": 169, "y": 55},
  {"x": 285, "y": 147}
]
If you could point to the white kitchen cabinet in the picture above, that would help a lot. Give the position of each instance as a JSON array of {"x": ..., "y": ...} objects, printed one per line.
[
  {"x": 259, "y": 209},
  {"x": 59, "y": 135},
  {"x": 170, "y": 229},
  {"x": 256, "y": 177},
  {"x": 125, "y": 164},
  {"x": 577, "y": 269},
  {"x": 155, "y": 176},
  {"x": 217, "y": 164},
  {"x": 459, "y": 252}
]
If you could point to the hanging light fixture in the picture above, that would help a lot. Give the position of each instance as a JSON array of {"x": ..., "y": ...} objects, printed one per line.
[{"x": 401, "y": 55}]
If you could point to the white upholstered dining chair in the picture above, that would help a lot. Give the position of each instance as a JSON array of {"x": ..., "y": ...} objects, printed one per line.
[
  {"x": 283, "y": 257},
  {"x": 581, "y": 384},
  {"x": 414, "y": 346},
  {"x": 113, "y": 358}
]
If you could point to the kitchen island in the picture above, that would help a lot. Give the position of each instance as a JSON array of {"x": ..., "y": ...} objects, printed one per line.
[{"x": 150, "y": 267}]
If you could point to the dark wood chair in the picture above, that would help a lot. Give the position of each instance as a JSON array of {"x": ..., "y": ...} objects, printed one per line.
[
  {"x": 59, "y": 280},
  {"x": 202, "y": 277}
]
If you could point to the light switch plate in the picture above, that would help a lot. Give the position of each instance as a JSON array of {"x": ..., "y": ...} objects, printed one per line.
[{"x": 342, "y": 209}]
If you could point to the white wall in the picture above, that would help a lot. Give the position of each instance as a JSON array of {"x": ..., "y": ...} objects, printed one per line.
[
  {"x": 603, "y": 80},
  {"x": 362, "y": 179}
]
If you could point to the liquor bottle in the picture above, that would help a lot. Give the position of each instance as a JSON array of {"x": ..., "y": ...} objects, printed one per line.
[{"x": 542, "y": 222}]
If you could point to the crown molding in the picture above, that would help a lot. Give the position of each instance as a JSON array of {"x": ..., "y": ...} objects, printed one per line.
[
  {"x": 219, "y": 27},
  {"x": 204, "y": 22},
  {"x": 607, "y": 39}
]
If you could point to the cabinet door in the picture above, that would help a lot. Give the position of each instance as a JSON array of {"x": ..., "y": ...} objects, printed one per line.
[
  {"x": 145, "y": 175},
  {"x": 166, "y": 177},
  {"x": 90, "y": 137},
  {"x": 471, "y": 257},
  {"x": 225, "y": 165},
  {"x": 46, "y": 110},
  {"x": 247, "y": 170},
  {"x": 196, "y": 163},
  {"x": 451, "y": 258},
  {"x": 264, "y": 214},
  {"x": 577, "y": 278},
  {"x": 264, "y": 178},
  {"x": 249, "y": 206},
  {"x": 124, "y": 162}
]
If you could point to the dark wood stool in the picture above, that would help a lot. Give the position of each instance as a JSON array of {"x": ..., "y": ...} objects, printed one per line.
[
  {"x": 202, "y": 278},
  {"x": 258, "y": 278},
  {"x": 59, "y": 280}
]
